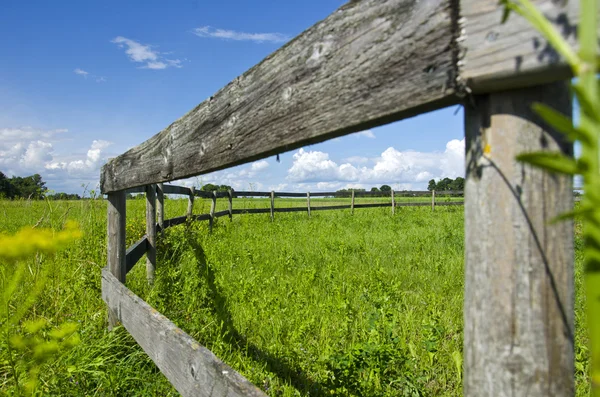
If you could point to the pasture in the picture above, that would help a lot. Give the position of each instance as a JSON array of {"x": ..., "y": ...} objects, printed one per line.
[{"x": 336, "y": 304}]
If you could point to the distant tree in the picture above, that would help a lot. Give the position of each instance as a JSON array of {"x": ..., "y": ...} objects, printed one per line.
[
  {"x": 385, "y": 188},
  {"x": 432, "y": 185},
  {"x": 374, "y": 189},
  {"x": 29, "y": 187},
  {"x": 458, "y": 184},
  {"x": 5, "y": 186},
  {"x": 444, "y": 184},
  {"x": 209, "y": 187}
]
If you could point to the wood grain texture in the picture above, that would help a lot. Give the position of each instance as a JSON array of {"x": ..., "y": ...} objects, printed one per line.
[
  {"x": 503, "y": 56},
  {"x": 369, "y": 63},
  {"x": 134, "y": 253},
  {"x": 191, "y": 368},
  {"x": 115, "y": 241},
  {"x": 151, "y": 232},
  {"x": 518, "y": 324}
]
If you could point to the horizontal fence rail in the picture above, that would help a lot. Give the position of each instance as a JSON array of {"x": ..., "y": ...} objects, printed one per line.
[
  {"x": 139, "y": 248},
  {"x": 191, "y": 368},
  {"x": 369, "y": 63}
]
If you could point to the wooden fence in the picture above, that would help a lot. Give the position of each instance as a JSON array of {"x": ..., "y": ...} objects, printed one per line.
[{"x": 369, "y": 63}]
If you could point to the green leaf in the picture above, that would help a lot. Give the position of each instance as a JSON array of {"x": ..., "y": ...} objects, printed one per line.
[
  {"x": 551, "y": 161},
  {"x": 507, "y": 10},
  {"x": 581, "y": 211},
  {"x": 561, "y": 123}
]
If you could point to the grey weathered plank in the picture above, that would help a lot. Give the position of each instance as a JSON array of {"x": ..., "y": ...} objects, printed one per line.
[
  {"x": 213, "y": 206},
  {"x": 115, "y": 241},
  {"x": 518, "y": 314},
  {"x": 371, "y": 205},
  {"x": 393, "y": 203},
  {"x": 504, "y": 56},
  {"x": 230, "y": 208},
  {"x": 256, "y": 210},
  {"x": 201, "y": 217},
  {"x": 190, "y": 208},
  {"x": 160, "y": 205},
  {"x": 252, "y": 194},
  {"x": 330, "y": 207},
  {"x": 308, "y": 202},
  {"x": 174, "y": 221},
  {"x": 137, "y": 189},
  {"x": 202, "y": 193},
  {"x": 174, "y": 189},
  {"x": 151, "y": 232},
  {"x": 291, "y": 209},
  {"x": 352, "y": 203},
  {"x": 369, "y": 63},
  {"x": 135, "y": 253},
  {"x": 433, "y": 200},
  {"x": 221, "y": 213},
  {"x": 191, "y": 368},
  {"x": 272, "y": 206},
  {"x": 290, "y": 194}
]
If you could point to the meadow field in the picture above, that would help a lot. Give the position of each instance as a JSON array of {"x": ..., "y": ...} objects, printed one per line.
[{"x": 364, "y": 304}]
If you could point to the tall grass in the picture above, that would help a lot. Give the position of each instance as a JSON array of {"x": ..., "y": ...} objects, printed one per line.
[{"x": 335, "y": 304}]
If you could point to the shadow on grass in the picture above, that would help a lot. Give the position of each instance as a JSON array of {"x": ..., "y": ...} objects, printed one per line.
[{"x": 279, "y": 366}]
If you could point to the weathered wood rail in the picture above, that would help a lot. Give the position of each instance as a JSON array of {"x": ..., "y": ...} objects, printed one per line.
[{"x": 369, "y": 63}]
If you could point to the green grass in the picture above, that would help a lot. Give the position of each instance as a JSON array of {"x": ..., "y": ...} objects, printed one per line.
[{"x": 335, "y": 304}]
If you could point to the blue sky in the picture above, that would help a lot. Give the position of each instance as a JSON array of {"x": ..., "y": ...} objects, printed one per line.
[{"x": 83, "y": 81}]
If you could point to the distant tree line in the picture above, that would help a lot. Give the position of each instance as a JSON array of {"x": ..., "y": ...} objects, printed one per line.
[
  {"x": 29, "y": 187},
  {"x": 209, "y": 187},
  {"x": 447, "y": 184}
]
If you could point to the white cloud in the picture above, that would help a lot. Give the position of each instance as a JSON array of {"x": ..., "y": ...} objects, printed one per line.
[
  {"x": 26, "y": 150},
  {"x": 367, "y": 134},
  {"x": 259, "y": 165},
  {"x": 81, "y": 72},
  {"x": 208, "y": 31},
  {"x": 143, "y": 53},
  {"x": 392, "y": 167},
  {"x": 85, "y": 74},
  {"x": 357, "y": 160}
]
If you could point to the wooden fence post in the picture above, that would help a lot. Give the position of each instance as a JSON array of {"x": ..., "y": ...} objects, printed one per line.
[
  {"x": 393, "y": 203},
  {"x": 230, "y": 195},
  {"x": 308, "y": 202},
  {"x": 433, "y": 200},
  {"x": 518, "y": 309},
  {"x": 213, "y": 205},
  {"x": 160, "y": 206},
  {"x": 352, "y": 204},
  {"x": 190, "y": 208},
  {"x": 115, "y": 235},
  {"x": 272, "y": 205},
  {"x": 151, "y": 232}
]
